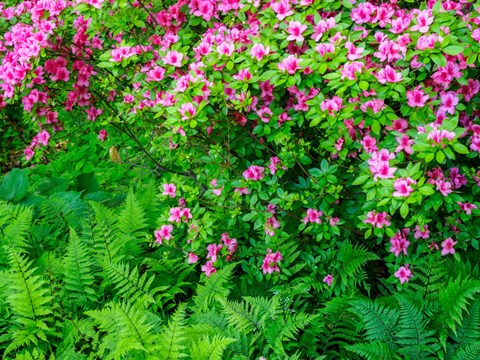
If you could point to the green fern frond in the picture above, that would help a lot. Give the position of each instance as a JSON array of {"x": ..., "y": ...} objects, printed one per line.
[
  {"x": 469, "y": 331},
  {"x": 173, "y": 337},
  {"x": 66, "y": 209},
  {"x": 133, "y": 286},
  {"x": 454, "y": 299},
  {"x": 129, "y": 331},
  {"x": 378, "y": 320},
  {"x": 132, "y": 218},
  {"x": 285, "y": 328},
  {"x": 242, "y": 316},
  {"x": 78, "y": 278},
  {"x": 216, "y": 288},
  {"x": 337, "y": 327},
  {"x": 353, "y": 258},
  {"x": 375, "y": 350},
  {"x": 414, "y": 337},
  {"x": 15, "y": 234},
  {"x": 28, "y": 296},
  {"x": 468, "y": 352},
  {"x": 104, "y": 241},
  {"x": 210, "y": 349},
  {"x": 430, "y": 278}
]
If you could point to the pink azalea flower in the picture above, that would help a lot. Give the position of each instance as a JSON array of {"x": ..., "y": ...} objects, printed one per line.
[
  {"x": 213, "y": 250},
  {"x": 29, "y": 153},
  {"x": 270, "y": 226},
  {"x": 405, "y": 144},
  {"x": 402, "y": 187},
  {"x": 447, "y": 246},
  {"x": 389, "y": 75},
  {"x": 270, "y": 263},
  {"x": 332, "y": 105},
  {"x": 313, "y": 216},
  {"x": 449, "y": 101},
  {"x": 242, "y": 190},
  {"x": 102, "y": 135},
  {"x": 378, "y": 220},
  {"x": 328, "y": 279},
  {"x": 169, "y": 190},
  {"x": 399, "y": 243},
  {"x": 187, "y": 111},
  {"x": 444, "y": 187},
  {"x": 353, "y": 52},
  {"x": 419, "y": 233},
  {"x": 165, "y": 233},
  {"x": 350, "y": 70},
  {"x": 403, "y": 274},
  {"x": 208, "y": 269},
  {"x": 424, "y": 20},
  {"x": 226, "y": 49},
  {"x": 254, "y": 173},
  {"x": 467, "y": 207},
  {"x": 416, "y": 97},
  {"x": 282, "y": 9},
  {"x": 173, "y": 58},
  {"x": 43, "y": 137},
  {"x": 258, "y": 51},
  {"x": 295, "y": 31},
  {"x": 438, "y": 135},
  {"x": 289, "y": 64},
  {"x": 192, "y": 258}
]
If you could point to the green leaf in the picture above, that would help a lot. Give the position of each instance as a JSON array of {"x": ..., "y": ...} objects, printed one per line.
[
  {"x": 426, "y": 190},
  {"x": 315, "y": 172},
  {"x": 440, "y": 156},
  {"x": 404, "y": 210},
  {"x": 460, "y": 148},
  {"x": 14, "y": 186},
  {"x": 439, "y": 60},
  {"x": 361, "y": 179},
  {"x": 453, "y": 50}
]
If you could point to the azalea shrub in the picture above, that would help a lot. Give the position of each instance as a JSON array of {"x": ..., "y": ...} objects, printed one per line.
[{"x": 333, "y": 144}]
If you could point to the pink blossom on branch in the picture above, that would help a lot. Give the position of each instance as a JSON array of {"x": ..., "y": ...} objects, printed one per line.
[
  {"x": 404, "y": 274},
  {"x": 289, "y": 64},
  {"x": 165, "y": 233},
  {"x": 295, "y": 31},
  {"x": 270, "y": 263},
  {"x": 403, "y": 187},
  {"x": 378, "y": 220},
  {"x": 447, "y": 246}
]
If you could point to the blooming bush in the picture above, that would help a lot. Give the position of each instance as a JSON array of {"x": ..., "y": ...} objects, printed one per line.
[{"x": 291, "y": 137}]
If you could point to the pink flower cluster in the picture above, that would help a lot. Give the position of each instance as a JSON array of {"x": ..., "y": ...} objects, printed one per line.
[
  {"x": 254, "y": 173},
  {"x": 313, "y": 216},
  {"x": 270, "y": 263},
  {"x": 380, "y": 166},
  {"x": 165, "y": 233},
  {"x": 399, "y": 242},
  {"x": 378, "y": 220},
  {"x": 178, "y": 214},
  {"x": 403, "y": 187},
  {"x": 404, "y": 274}
]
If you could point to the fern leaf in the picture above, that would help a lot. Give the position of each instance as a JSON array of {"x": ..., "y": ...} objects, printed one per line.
[
  {"x": 215, "y": 288},
  {"x": 129, "y": 331},
  {"x": 454, "y": 299},
  {"x": 353, "y": 258},
  {"x": 414, "y": 338},
  {"x": 172, "y": 338},
  {"x": 15, "y": 233},
  {"x": 132, "y": 218},
  {"x": 129, "y": 284},
  {"x": 469, "y": 331},
  {"x": 28, "y": 298},
  {"x": 213, "y": 349},
  {"x": 375, "y": 350},
  {"x": 379, "y": 321},
  {"x": 105, "y": 243},
  {"x": 78, "y": 278},
  {"x": 468, "y": 352}
]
